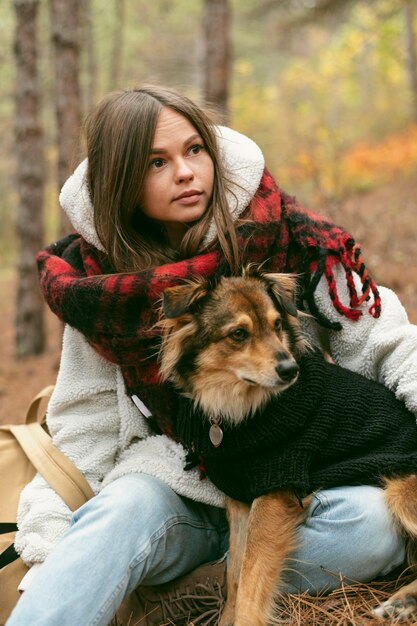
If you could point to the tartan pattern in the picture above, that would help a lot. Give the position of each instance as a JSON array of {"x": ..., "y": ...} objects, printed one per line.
[{"x": 117, "y": 312}]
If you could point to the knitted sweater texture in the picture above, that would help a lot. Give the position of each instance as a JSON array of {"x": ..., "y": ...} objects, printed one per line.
[{"x": 333, "y": 427}]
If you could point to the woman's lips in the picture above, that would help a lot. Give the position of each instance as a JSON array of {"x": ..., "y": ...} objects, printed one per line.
[{"x": 188, "y": 197}]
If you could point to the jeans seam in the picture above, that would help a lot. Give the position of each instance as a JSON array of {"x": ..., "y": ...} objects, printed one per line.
[
  {"x": 323, "y": 503},
  {"x": 162, "y": 530}
]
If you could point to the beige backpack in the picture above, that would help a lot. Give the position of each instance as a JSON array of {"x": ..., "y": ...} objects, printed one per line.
[
  {"x": 24, "y": 450},
  {"x": 28, "y": 448}
]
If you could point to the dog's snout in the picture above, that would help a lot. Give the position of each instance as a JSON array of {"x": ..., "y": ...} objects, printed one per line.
[{"x": 287, "y": 370}]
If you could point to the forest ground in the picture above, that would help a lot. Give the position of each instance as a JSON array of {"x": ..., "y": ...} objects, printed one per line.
[{"x": 384, "y": 221}]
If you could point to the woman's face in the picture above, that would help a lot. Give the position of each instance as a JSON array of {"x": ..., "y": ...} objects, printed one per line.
[{"x": 179, "y": 181}]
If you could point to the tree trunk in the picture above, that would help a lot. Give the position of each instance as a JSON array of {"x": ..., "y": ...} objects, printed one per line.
[
  {"x": 90, "y": 56},
  {"x": 30, "y": 335},
  {"x": 66, "y": 40},
  {"x": 410, "y": 44},
  {"x": 117, "y": 46},
  {"x": 216, "y": 54}
]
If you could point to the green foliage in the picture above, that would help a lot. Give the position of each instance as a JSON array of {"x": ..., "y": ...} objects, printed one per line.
[{"x": 308, "y": 95}]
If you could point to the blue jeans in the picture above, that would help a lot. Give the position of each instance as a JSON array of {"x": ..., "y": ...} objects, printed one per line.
[{"x": 138, "y": 531}]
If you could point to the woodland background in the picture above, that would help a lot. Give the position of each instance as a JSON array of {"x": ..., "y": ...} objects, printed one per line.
[{"x": 327, "y": 88}]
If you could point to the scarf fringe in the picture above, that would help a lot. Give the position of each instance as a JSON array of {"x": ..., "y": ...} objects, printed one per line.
[{"x": 353, "y": 263}]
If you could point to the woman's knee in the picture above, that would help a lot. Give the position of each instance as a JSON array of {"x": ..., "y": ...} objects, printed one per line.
[
  {"x": 367, "y": 532},
  {"x": 376, "y": 539},
  {"x": 131, "y": 500},
  {"x": 348, "y": 534}
]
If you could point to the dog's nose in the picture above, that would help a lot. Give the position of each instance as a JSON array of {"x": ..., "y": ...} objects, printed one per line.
[{"x": 287, "y": 370}]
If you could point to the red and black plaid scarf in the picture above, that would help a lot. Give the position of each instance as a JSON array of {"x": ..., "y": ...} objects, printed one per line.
[{"x": 117, "y": 312}]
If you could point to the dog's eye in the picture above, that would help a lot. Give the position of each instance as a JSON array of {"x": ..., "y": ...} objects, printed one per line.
[
  {"x": 239, "y": 334},
  {"x": 277, "y": 325}
]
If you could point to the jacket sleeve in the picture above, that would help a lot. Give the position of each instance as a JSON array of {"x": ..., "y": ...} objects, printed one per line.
[
  {"x": 383, "y": 349},
  {"x": 84, "y": 423}
]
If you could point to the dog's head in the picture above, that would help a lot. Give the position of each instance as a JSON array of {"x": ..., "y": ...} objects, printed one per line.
[{"x": 233, "y": 343}]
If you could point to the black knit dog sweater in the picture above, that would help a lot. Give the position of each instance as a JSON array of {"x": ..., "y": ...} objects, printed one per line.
[{"x": 332, "y": 427}]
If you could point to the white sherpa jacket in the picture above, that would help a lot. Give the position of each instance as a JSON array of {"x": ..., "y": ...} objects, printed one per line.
[{"x": 97, "y": 425}]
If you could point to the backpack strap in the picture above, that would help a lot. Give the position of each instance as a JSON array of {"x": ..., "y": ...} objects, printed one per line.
[
  {"x": 32, "y": 414},
  {"x": 56, "y": 468}
]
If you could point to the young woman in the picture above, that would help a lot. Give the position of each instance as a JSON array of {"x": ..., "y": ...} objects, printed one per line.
[{"x": 163, "y": 196}]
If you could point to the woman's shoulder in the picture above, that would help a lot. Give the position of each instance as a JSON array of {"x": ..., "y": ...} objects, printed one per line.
[{"x": 82, "y": 371}]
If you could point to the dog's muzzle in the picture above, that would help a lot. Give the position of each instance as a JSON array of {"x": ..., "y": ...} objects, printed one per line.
[{"x": 287, "y": 370}]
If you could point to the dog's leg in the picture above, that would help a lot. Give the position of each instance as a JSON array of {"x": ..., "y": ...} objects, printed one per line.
[
  {"x": 238, "y": 515},
  {"x": 401, "y": 606},
  {"x": 401, "y": 498},
  {"x": 271, "y": 533}
]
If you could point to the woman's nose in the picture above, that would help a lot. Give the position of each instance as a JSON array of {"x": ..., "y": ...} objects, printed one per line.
[{"x": 183, "y": 172}]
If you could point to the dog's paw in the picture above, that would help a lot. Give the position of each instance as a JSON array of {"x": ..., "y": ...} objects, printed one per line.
[{"x": 399, "y": 609}]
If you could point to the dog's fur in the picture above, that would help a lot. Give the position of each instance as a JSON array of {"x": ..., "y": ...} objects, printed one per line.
[
  {"x": 206, "y": 350},
  {"x": 231, "y": 345}
]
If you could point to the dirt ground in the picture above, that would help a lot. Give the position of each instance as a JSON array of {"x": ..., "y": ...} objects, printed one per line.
[{"x": 384, "y": 221}]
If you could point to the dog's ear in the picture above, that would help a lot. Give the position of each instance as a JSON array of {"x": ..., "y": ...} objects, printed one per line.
[
  {"x": 177, "y": 301},
  {"x": 282, "y": 288}
]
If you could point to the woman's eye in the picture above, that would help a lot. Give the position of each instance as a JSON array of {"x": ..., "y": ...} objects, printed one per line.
[
  {"x": 278, "y": 325},
  {"x": 239, "y": 334},
  {"x": 157, "y": 163},
  {"x": 196, "y": 149}
]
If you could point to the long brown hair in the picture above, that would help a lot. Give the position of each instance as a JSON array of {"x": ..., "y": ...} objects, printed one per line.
[{"x": 119, "y": 133}]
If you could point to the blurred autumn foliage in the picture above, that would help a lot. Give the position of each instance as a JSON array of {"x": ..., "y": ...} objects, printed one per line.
[
  {"x": 364, "y": 166},
  {"x": 368, "y": 164},
  {"x": 334, "y": 113}
]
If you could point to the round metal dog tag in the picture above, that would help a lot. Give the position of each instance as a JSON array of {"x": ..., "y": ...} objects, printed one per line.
[{"x": 215, "y": 433}]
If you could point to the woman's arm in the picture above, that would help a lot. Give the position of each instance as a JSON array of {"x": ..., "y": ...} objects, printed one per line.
[
  {"x": 84, "y": 423},
  {"x": 383, "y": 349}
]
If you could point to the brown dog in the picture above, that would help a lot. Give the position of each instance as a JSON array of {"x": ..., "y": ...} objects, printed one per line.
[{"x": 231, "y": 346}]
